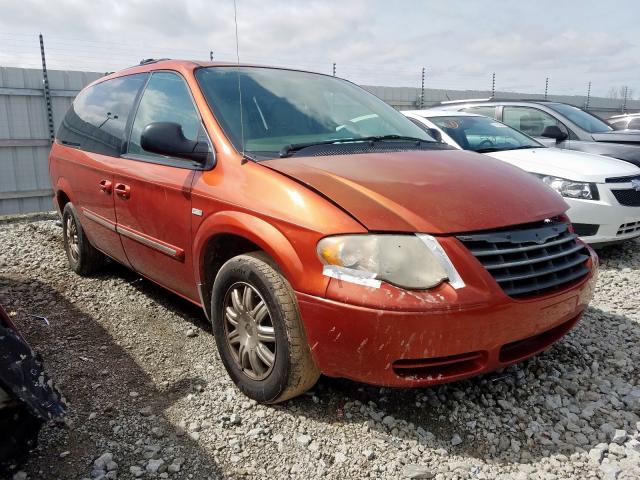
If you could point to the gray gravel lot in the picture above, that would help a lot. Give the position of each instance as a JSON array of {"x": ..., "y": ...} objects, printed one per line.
[{"x": 149, "y": 398}]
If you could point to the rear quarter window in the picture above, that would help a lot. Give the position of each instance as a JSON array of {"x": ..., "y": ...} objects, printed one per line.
[{"x": 97, "y": 120}]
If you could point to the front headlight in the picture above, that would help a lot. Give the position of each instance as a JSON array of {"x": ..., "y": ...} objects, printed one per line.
[
  {"x": 407, "y": 261},
  {"x": 571, "y": 189}
]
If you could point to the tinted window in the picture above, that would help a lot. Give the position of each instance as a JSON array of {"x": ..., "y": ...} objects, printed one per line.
[
  {"x": 486, "y": 111},
  {"x": 97, "y": 120},
  {"x": 584, "y": 120},
  {"x": 282, "y": 107},
  {"x": 165, "y": 99},
  {"x": 528, "y": 120}
]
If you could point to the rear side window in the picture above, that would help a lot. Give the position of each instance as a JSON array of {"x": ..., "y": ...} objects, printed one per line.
[
  {"x": 165, "y": 99},
  {"x": 528, "y": 120},
  {"x": 97, "y": 120}
]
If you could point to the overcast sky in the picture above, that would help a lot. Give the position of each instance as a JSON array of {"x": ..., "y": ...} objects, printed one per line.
[{"x": 372, "y": 42}]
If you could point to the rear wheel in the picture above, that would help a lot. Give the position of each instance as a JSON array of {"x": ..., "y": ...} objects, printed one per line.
[
  {"x": 83, "y": 258},
  {"x": 259, "y": 332}
]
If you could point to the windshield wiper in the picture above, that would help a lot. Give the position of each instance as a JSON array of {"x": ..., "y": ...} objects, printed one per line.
[
  {"x": 495, "y": 149},
  {"x": 488, "y": 150},
  {"x": 288, "y": 150}
]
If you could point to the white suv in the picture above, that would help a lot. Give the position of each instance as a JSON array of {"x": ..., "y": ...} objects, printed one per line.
[{"x": 602, "y": 192}]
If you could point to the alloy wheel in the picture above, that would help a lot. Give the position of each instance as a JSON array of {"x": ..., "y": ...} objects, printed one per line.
[
  {"x": 249, "y": 331},
  {"x": 72, "y": 238}
]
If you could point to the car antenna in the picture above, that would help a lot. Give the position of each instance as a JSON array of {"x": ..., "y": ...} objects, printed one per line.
[{"x": 235, "y": 19}]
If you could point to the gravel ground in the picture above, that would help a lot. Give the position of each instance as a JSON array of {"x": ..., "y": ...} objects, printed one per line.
[{"x": 149, "y": 398}]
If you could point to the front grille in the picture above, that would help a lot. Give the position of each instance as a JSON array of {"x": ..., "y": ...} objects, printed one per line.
[
  {"x": 530, "y": 259},
  {"x": 628, "y": 197},
  {"x": 622, "y": 179},
  {"x": 626, "y": 228}
]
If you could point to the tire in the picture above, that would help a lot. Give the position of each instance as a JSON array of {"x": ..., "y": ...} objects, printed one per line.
[
  {"x": 83, "y": 258},
  {"x": 21, "y": 436},
  {"x": 279, "y": 330}
]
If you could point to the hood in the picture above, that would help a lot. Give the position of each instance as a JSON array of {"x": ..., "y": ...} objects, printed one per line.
[
  {"x": 440, "y": 191},
  {"x": 569, "y": 164},
  {"x": 618, "y": 136}
]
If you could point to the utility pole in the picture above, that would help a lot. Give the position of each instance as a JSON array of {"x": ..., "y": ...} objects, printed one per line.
[
  {"x": 624, "y": 101},
  {"x": 211, "y": 55},
  {"x": 47, "y": 92},
  {"x": 586, "y": 106},
  {"x": 334, "y": 69},
  {"x": 422, "y": 90},
  {"x": 546, "y": 87},
  {"x": 493, "y": 85}
]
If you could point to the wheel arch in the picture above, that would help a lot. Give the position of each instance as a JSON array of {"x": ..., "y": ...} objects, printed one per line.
[
  {"x": 227, "y": 234},
  {"x": 63, "y": 194}
]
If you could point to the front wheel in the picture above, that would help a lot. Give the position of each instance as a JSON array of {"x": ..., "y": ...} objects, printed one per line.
[{"x": 258, "y": 330}]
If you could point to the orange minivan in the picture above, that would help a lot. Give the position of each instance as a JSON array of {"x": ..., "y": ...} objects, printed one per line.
[{"x": 319, "y": 229}]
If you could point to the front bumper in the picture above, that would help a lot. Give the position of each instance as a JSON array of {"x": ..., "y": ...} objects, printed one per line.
[
  {"x": 446, "y": 335},
  {"x": 616, "y": 222}
]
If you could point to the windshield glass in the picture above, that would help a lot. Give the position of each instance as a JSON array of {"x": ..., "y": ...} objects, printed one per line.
[
  {"x": 482, "y": 134},
  {"x": 584, "y": 120},
  {"x": 284, "y": 107}
]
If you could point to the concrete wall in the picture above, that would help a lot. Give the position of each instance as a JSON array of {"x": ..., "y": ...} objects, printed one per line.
[{"x": 24, "y": 135}]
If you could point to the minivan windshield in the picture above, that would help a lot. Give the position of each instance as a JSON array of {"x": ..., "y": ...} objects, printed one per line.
[
  {"x": 282, "y": 108},
  {"x": 586, "y": 121},
  {"x": 483, "y": 134}
]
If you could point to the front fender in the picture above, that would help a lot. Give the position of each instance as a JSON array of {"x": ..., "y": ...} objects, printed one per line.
[{"x": 254, "y": 229}]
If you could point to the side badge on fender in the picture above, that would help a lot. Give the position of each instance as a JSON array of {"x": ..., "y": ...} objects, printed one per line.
[{"x": 196, "y": 211}]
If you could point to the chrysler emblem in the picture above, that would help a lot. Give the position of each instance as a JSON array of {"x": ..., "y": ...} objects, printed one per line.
[{"x": 635, "y": 184}]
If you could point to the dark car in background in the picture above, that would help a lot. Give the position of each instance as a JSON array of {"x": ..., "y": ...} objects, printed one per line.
[
  {"x": 628, "y": 121},
  {"x": 557, "y": 124}
]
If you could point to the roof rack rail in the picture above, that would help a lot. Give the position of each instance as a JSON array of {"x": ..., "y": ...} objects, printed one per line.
[
  {"x": 146, "y": 61},
  {"x": 497, "y": 99},
  {"x": 464, "y": 100},
  {"x": 523, "y": 99}
]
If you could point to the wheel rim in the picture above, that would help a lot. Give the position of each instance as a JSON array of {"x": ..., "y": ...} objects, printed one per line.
[
  {"x": 248, "y": 330},
  {"x": 72, "y": 238}
]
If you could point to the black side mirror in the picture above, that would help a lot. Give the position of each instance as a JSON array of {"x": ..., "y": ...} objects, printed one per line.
[
  {"x": 435, "y": 133},
  {"x": 167, "y": 138},
  {"x": 554, "y": 131}
]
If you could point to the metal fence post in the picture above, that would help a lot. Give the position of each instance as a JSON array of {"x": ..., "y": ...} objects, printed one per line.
[
  {"x": 493, "y": 85},
  {"x": 546, "y": 87},
  {"x": 47, "y": 92},
  {"x": 422, "y": 90}
]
